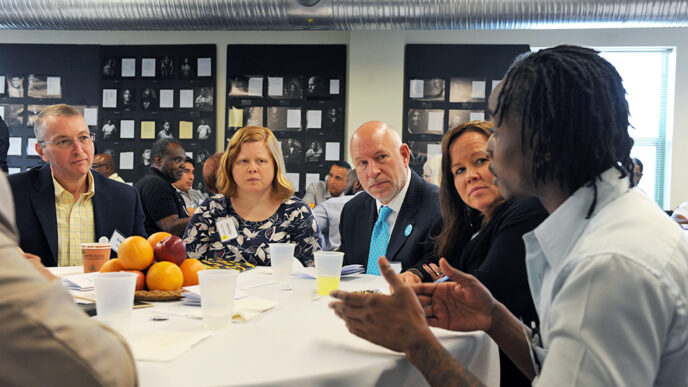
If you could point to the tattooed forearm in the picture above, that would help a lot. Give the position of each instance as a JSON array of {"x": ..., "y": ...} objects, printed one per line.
[{"x": 439, "y": 367}]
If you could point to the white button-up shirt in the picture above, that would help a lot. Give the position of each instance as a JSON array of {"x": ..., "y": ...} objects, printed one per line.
[{"x": 610, "y": 291}]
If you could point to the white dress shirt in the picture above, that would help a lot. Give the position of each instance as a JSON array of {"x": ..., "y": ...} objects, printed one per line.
[
  {"x": 610, "y": 291},
  {"x": 395, "y": 204}
]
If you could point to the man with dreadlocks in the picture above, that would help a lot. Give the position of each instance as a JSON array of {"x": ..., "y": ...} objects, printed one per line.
[{"x": 608, "y": 270}]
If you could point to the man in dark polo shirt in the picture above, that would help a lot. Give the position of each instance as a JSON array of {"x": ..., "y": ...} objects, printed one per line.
[{"x": 162, "y": 206}]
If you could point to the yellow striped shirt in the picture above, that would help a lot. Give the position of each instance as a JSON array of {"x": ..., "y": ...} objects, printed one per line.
[{"x": 75, "y": 223}]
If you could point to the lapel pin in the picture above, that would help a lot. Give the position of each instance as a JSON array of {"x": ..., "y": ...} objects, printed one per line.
[{"x": 408, "y": 230}]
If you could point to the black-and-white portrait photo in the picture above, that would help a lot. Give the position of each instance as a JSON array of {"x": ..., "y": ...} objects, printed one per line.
[
  {"x": 38, "y": 87},
  {"x": 317, "y": 87},
  {"x": 146, "y": 157},
  {"x": 164, "y": 129},
  {"x": 460, "y": 116},
  {"x": 426, "y": 121},
  {"x": 15, "y": 86},
  {"x": 419, "y": 154},
  {"x": 314, "y": 152},
  {"x": 277, "y": 118},
  {"x": 427, "y": 89},
  {"x": 238, "y": 86},
  {"x": 110, "y": 68},
  {"x": 200, "y": 157},
  {"x": 186, "y": 68},
  {"x": 203, "y": 99},
  {"x": 127, "y": 99},
  {"x": 109, "y": 130},
  {"x": 32, "y": 114},
  {"x": 253, "y": 116},
  {"x": 333, "y": 118},
  {"x": 203, "y": 130},
  {"x": 166, "y": 65},
  {"x": 149, "y": 99},
  {"x": 292, "y": 150},
  {"x": 467, "y": 90},
  {"x": 14, "y": 115},
  {"x": 292, "y": 88}
]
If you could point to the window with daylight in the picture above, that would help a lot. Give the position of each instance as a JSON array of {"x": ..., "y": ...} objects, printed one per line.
[{"x": 648, "y": 76}]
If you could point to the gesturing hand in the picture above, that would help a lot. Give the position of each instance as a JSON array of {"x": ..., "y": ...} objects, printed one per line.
[
  {"x": 461, "y": 305},
  {"x": 394, "y": 322}
]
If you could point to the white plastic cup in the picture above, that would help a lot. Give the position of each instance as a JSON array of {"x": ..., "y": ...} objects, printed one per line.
[
  {"x": 115, "y": 298},
  {"x": 328, "y": 270},
  {"x": 281, "y": 256},
  {"x": 218, "y": 287}
]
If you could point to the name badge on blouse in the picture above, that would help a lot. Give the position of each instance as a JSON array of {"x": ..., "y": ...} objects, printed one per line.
[{"x": 226, "y": 229}]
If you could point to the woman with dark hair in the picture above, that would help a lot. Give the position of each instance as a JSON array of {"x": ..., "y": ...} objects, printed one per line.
[{"x": 482, "y": 232}]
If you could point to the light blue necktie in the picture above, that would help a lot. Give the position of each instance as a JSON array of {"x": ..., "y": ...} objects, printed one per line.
[{"x": 378, "y": 241}]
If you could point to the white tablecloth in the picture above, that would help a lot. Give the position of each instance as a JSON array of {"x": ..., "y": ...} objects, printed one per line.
[{"x": 298, "y": 343}]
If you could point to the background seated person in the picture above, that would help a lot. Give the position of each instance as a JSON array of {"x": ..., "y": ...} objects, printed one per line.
[
  {"x": 162, "y": 205},
  {"x": 328, "y": 212},
  {"x": 104, "y": 164},
  {"x": 320, "y": 191},
  {"x": 680, "y": 214},
  {"x": 482, "y": 233},
  {"x": 62, "y": 203},
  {"x": 432, "y": 170},
  {"x": 257, "y": 207},
  {"x": 192, "y": 198},
  {"x": 210, "y": 173},
  {"x": 44, "y": 334}
]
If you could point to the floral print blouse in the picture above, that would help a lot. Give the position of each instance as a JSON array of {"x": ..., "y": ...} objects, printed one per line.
[{"x": 292, "y": 222}]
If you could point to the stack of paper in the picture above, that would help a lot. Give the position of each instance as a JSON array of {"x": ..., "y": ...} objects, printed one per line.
[
  {"x": 81, "y": 282},
  {"x": 192, "y": 295},
  {"x": 309, "y": 272}
]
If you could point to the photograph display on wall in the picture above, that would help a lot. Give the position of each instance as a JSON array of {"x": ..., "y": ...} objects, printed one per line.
[
  {"x": 154, "y": 92},
  {"x": 294, "y": 91},
  {"x": 448, "y": 91}
]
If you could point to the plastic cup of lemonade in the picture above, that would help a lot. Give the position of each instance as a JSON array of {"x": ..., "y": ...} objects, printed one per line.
[
  {"x": 218, "y": 287},
  {"x": 328, "y": 271},
  {"x": 115, "y": 298},
  {"x": 281, "y": 256}
]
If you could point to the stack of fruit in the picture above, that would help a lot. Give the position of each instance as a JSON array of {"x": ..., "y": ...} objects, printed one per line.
[{"x": 160, "y": 262}]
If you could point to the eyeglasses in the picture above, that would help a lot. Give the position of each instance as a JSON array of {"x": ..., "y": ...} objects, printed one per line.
[{"x": 68, "y": 142}]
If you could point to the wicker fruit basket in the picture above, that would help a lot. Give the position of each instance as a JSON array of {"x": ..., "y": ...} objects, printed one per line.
[{"x": 158, "y": 295}]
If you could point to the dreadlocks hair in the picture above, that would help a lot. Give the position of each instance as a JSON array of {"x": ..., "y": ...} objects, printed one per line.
[
  {"x": 460, "y": 220},
  {"x": 574, "y": 116}
]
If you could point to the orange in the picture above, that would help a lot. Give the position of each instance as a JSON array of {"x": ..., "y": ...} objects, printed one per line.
[
  {"x": 164, "y": 275},
  {"x": 140, "y": 278},
  {"x": 135, "y": 253},
  {"x": 190, "y": 268},
  {"x": 157, "y": 237},
  {"x": 111, "y": 265}
]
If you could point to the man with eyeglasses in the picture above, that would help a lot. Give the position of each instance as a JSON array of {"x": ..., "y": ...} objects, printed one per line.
[{"x": 62, "y": 204}]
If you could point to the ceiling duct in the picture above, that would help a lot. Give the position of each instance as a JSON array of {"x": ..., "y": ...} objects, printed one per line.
[{"x": 287, "y": 15}]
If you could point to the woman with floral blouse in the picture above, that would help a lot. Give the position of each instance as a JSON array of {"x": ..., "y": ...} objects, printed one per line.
[{"x": 255, "y": 206}]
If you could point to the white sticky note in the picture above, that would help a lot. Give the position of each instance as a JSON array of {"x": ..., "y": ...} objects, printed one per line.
[
  {"x": 478, "y": 89},
  {"x": 312, "y": 178},
  {"x": 416, "y": 88},
  {"x": 126, "y": 129},
  {"x": 2, "y": 84},
  {"x": 275, "y": 86},
  {"x": 54, "y": 87},
  {"x": 166, "y": 98},
  {"x": 189, "y": 155},
  {"x": 435, "y": 121},
  {"x": 293, "y": 118},
  {"x": 477, "y": 116},
  {"x": 331, "y": 151},
  {"x": 334, "y": 86},
  {"x": 255, "y": 86},
  {"x": 148, "y": 67},
  {"x": 204, "y": 67},
  {"x": 126, "y": 160},
  {"x": 31, "y": 147},
  {"x": 91, "y": 116},
  {"x": 109, "y": 98},
  {"x": 314, "y": 119},
  {"x": 294, "y": 178},
  {"x": 15, "y": 146},
  {"x": 128, "y": 67},
  {"x": 494, "y": 84},
  {"x": 186, "y": 98},
  {"x": 434, "y": 149}
]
